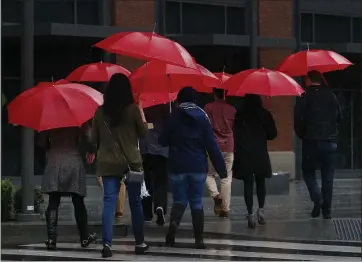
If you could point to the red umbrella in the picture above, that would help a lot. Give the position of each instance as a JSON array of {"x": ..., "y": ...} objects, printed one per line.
[
  {"x": 300, "y": 63},
  {"x": 153, "y": 99},
  {"x": 262, "y": 82},
  {"x": 54, "y": 105},
  {"x": 156, "y": 77},
  {"x": 147, "y": 46},
  {"x": 223, "y": 76},
  {"x": 96, "y": 72}
]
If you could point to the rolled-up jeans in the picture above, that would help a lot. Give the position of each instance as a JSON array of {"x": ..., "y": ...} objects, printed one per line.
[{"x": 111, "y": 187}]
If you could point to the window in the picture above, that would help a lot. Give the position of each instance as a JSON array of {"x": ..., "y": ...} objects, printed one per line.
[
  {"x": 332, "y": 29},
  {"x": 11, "y": 11},
  {"x": 203, "y": 19},
  {"x": 357, "y": 30},
  {"x": 306, "y": 25},
  {"x": 235, "y": 20},
  {"x": 88, "y": 12},
  {"x": 56, "y": 11},
  {"x": 172, "y": 17}
]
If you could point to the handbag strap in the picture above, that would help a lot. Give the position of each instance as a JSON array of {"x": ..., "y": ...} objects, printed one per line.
[{"x": 117, "y": 143}]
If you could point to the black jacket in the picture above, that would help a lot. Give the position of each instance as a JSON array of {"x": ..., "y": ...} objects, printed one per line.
[
  {"x": 317, "y": 114},
  {"x": 252, "y": 131}
]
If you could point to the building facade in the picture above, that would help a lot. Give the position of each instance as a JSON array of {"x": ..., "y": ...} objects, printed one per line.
[{"x": 230, "y": 34}]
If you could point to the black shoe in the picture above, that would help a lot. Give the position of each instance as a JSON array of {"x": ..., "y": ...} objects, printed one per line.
[
  {"x": 160, "y": 216},
  {"x": 316, "y": 212},
  {"x": 251, "y": 221},
  {"x": 106, "y": 251},
  {"x": 91, "y": 238},
  {"x": 51, "y": 244},
  {"x": 141, "y": 249},
  {"x": 198, "y": 225},
  {"x": 177, "y": 212}
]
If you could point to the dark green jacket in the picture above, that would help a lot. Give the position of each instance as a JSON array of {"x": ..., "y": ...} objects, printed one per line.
[{"x": 110, "y": 159}]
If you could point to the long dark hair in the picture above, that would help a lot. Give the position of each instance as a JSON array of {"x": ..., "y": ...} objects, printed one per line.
[
  {"x": 252, "y": 102},
  {"x": 117, "y": 96}
]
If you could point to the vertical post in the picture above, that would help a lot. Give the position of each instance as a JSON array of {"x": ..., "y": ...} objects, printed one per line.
[
  {"x": 105, "y": 21},
  {"x": 297, "y": 145},
  {"x": 27, "y": 135},
  {"x": 254, "y": 33},
  {"x": 159, "y": 16}
]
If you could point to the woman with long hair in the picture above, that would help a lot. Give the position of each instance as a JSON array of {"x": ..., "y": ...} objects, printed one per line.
[
  {"x": 64, "y": 175},
  {"x": 117, "y": 126},
  {"x": 254, "y": 126}
]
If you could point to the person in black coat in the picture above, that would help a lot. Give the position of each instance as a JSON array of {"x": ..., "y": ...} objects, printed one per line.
[{"x": 254, "y": 126}]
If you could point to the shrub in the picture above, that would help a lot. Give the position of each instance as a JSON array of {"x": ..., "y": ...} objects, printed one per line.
[
  {"x": 7, "y": 203},
  {"x": 38, "y": 200}
]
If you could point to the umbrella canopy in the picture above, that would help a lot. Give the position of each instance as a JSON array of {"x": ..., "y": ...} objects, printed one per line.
[
  {"x": 223, "y": 76},
  {"x": 153, "y": 99},
  {"x": 96, "y": 72},
  {"x": 54, "y": 105},
  {"x": 323, "y": 61},
  {"x": 156, "y": 77},
  {"x": 147, "y": 46},
  {"x": 262, "y": 82}
]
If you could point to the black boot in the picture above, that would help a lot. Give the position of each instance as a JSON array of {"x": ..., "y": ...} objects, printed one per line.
[
  {"x": 52, "y": 222},
  {"x": 177, "y": 212},
  {"x": 82, "y": 224},
  {"x": 198, "y": 224}
]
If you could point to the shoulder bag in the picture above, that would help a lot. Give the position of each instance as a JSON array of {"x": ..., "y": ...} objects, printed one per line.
[{"x": 131, "y": 176}]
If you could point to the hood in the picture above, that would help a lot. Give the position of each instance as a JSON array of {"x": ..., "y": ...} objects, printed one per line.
[{"x": 193, "y": 111}]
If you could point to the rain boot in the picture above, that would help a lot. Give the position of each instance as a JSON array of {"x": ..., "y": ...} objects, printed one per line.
[
  {"x": 198, "y": 224},
  {"x": 51, "y": 216},
  {"x": 177, "y": 212},
  {"x": 82, "y": 224}
]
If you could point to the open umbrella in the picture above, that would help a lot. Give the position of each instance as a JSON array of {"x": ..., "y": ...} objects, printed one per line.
[
  {"x": 54, "y": 105},
  {"x": 262, "y": 82},
  {"x": 96, "y": 72},
  {"x": 147, "y": 46},
  {"x": 323, "y": 61},
  {"x": 156, "y": 77},
  {"x": 223, "y": 76}
]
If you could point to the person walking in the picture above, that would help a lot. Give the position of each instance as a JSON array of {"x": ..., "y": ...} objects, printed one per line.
[
  {"x": 189, "y": 136},
  {"x": 64, "y": 175},
  {"x": 155, "y": 158},
  {"x": 117, "y": 126},
  {"x": 317, "y": 116},
  {"x": 222, "y": 117},
  {"x": 254, "y": 126}
]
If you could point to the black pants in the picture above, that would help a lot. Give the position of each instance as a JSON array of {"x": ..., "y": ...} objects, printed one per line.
[
  {"x": 156, "y": 179},
  {"x": 249, "y": 188},
  {"x": 80, "y": 212},
  {"x": 318, "y": 153}
]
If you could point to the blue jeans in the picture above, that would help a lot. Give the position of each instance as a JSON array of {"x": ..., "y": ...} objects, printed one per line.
[
  {"x": 319, "y": 153},
  {"x": 111, "y": 186},
  {"x": 188, "y": 188}
]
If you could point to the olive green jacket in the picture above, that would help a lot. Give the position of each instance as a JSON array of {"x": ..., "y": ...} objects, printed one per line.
[{"x": 110, "y": 159}]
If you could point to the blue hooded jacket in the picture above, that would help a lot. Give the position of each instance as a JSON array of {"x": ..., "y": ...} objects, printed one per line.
[{"x": 190, "y": 138}]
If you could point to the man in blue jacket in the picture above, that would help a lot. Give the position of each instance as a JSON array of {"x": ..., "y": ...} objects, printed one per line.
[{"x": 190, "y": 138}]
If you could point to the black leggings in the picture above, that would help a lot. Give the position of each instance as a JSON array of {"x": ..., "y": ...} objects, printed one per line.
[{"x": 260, "y": 191}]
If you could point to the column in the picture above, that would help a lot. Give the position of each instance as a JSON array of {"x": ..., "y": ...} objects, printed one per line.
[
  {"x": 254, "y": 33},
  {"x": 27, "y": 135}
]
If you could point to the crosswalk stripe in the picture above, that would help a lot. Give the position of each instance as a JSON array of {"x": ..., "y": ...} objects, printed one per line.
[
  {"x": 252, "y": 243},
  {"x": 87, "y": 255},
  {"x": 204, "y": 253}
]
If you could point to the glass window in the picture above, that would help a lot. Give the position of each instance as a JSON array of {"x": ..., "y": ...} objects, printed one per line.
[
  {"x": 172, "y": 17},
  {"x": 203, "y": 19},
  {"x": 357, "y": 30},
  {"x": 56, "y": 11},
  {"x": 235, "y": 20},
  {"x": 332, "y": 29},
  {"x": 88, "y": 12},
  {"x": 306, "y": 25},
  {"x": 11, "y": 11}
]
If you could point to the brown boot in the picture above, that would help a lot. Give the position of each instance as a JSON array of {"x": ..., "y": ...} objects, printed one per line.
[
  {"x": 217, "y": 204},
  {"x": 223, "y": 214}
]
